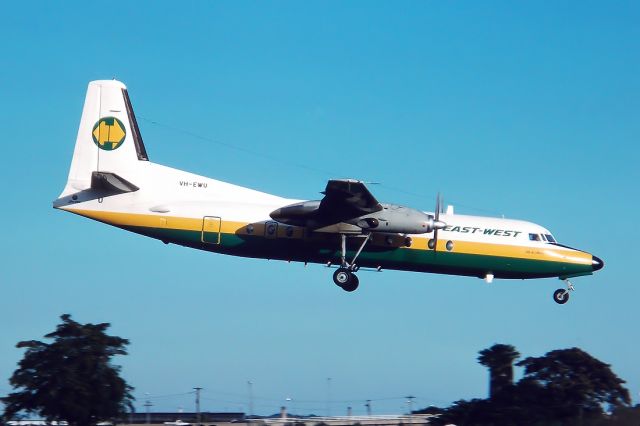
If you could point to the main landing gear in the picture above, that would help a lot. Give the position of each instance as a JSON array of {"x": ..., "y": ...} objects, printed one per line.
[
  {"x": 346, "y": 279},
  {"x": 345, "y": 276},
  {"x": 561, "y": 296}
]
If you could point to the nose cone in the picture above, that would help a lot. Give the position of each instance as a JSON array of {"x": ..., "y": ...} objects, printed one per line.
[{"x": 597, "y": 263}]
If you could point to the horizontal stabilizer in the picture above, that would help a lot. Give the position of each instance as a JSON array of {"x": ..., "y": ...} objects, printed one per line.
[{"x": 111, "y": 183}]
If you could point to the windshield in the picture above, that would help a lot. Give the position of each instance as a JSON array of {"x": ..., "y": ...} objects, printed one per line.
[{"x": 542, "y": 237}]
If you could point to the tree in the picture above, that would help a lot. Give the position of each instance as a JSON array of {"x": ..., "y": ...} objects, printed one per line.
[
  {"x": 580, "y": 383},
  {"x": 499, "y": 359},
  {"x": 515, "y": 408},
  {"x": 564, "y": 387},
  {"x": 71, "y": 379},
  {"x": 623, "y": 416}
]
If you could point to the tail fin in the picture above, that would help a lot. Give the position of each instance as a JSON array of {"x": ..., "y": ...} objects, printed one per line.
[{"x": 109, "y": 142}]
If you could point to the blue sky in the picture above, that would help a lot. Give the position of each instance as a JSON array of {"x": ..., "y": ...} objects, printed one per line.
[{"x": 527, "y": 110}]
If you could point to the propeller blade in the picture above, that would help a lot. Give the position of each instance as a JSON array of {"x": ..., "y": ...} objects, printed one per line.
[{"x": 437, "y": 224}]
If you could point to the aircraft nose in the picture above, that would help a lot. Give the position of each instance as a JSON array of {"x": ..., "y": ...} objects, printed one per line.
[{"x": 597, "y": 263}]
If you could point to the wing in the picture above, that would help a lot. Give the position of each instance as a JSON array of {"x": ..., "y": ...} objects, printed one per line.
[{"x": 346, "y": 199}]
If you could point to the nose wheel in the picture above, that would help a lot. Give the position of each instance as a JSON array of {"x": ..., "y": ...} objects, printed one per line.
[{"x": 561, "y": 296}]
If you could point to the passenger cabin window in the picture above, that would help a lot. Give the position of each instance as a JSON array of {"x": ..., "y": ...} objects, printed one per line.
[
  {"x": 550, "y": 238},
  {"x": 534, "y": 237}
]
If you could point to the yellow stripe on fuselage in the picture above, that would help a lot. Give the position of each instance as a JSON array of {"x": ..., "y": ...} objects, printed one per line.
[{"x": 548, "y": 253}]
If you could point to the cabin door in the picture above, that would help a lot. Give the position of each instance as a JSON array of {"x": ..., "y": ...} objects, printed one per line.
[{"x": 211, "y": 229}]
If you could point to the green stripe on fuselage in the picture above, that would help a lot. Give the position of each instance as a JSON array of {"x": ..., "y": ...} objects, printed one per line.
[{"x": 326, "y": 250}]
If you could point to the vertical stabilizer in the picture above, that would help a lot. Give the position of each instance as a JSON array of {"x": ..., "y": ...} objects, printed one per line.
[{"x": 108, "y": 139}]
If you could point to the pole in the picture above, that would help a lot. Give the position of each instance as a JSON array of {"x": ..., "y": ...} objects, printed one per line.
[
  {"x": 289, "y": 402},
  {"x": 148, "y": 405},
  {"x": 328, "y": 396},
  {"x": 250, "y": 385},
  {"x": 198, "y": 405},
  {"x": 410, "y": 399}
]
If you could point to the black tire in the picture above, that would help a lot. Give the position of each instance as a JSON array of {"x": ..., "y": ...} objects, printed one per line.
[
  {"x": 352, "y": 285},
  {"x": 561, "y": 296},
  {"x": 342, "y": 277}
]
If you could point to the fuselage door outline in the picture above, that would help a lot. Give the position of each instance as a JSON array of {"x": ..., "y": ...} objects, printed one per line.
[{"x": 211, "y": 226}]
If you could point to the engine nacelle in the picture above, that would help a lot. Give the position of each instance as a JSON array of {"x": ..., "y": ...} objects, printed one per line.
[
  {"x": 298, "y": 214},
  {"x": 390, "y": 219},
  {"x": 398, "y": 219}
]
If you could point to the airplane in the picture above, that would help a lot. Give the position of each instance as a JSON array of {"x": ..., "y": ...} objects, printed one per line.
[{"x": 112, "y": 180}]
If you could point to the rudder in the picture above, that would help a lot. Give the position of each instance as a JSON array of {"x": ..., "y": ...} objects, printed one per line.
[{"x": 108, "y": 138}]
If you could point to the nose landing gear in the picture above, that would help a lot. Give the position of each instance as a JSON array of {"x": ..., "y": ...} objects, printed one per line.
[{"x": 561, "y": 296}]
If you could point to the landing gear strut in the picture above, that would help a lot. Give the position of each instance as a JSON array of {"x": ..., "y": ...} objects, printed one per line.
[
  {"x": 561, "y": 296},
  {"x": 344, "y": 276}
]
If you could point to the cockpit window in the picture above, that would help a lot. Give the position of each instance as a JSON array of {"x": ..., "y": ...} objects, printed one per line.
[{"x": 542, "y": 237}]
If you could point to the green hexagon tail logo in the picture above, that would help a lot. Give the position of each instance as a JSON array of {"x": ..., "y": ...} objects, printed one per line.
[{"x": 108, "y": 133}]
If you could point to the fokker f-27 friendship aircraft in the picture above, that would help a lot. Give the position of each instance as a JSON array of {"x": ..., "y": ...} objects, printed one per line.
[{"x": 111, "y": 180}]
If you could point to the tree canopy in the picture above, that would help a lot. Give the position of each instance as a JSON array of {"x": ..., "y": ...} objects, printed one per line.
[
  {"x": 71, "y": 379},
  {"x": 573, "y": 376},
  {"x": 563, "y": 387}
]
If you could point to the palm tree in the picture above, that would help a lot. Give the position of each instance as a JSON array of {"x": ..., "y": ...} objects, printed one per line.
[{"x": 499, "y": 360}]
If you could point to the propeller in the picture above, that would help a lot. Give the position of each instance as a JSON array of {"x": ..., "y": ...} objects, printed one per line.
[{"x": 437, "y": 224}]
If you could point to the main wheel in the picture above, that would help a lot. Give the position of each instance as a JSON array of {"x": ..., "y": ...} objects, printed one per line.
[
  {"x": 352, "y": 285},
  {"x": 342, "y": 277},
  {"x": 561, "y": 296}
]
